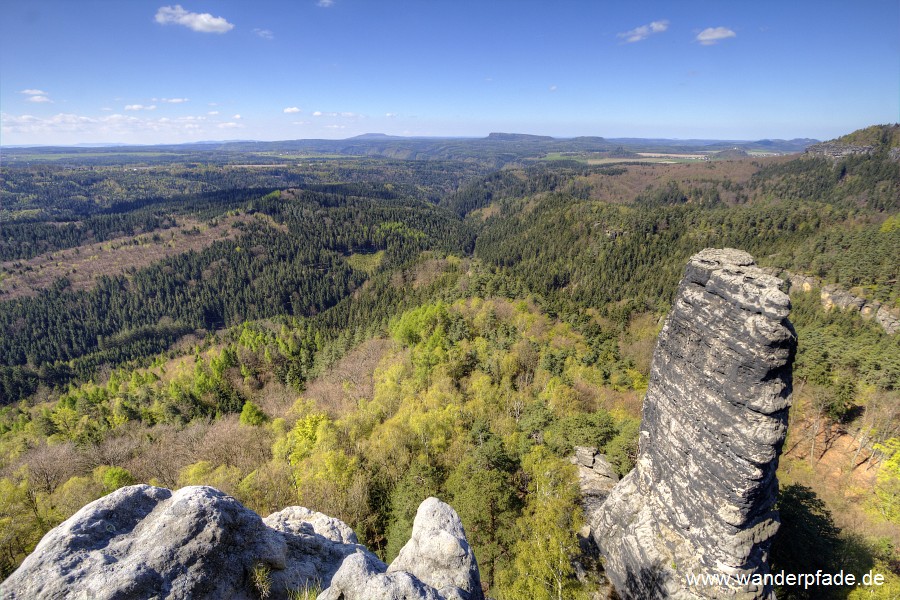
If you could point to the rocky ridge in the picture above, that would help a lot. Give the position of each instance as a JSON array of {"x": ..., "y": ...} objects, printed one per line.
[
  {"x": 701, "y": 498},
  {"x": 148, "y": 542},
  {"x": 838, "y": 150},
  {"x": 834, "y": 296}
]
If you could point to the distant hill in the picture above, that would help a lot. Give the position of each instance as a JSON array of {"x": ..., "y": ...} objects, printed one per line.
[
  {"x": 377, "y": 136},
  {"x": 519, "y": 137},
  {"x": 731, "y": 153},
  {"x": 493, "y": 151}
]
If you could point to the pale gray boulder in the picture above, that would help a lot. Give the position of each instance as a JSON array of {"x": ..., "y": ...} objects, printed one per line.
[
  {"x": 144, "y": 542},
  {"x": 148, "y": 542},
  {"x": 439, "y": 554},
  {"x": 361, "y": 578},
  {"x": 436, "y": 564}
]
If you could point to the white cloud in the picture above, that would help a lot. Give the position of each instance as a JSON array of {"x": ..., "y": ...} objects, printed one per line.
[
  {"x": 72, "y": 128},
  {"x": 140, "y": 107},
  {"x": 325, "y": 3},
  {"x": 552, "y": 88},
  {"x": 213, "y": 112},
  {"x": 714, "y": 35},
  {"x": 264, "y": 33},
  {"x": 291, "y": 109},
  {"x": 299, "y": 123},
  {"x": 335, "y": 127},
  {"x": 229, "y": 125},
  {"x": 236, "y": 117},
  {"x": 204, "y": 23},
  {"x": 390, "y": 115},
  {"x": 644, "y": 31},
  {"x": 175, "y": 100},
  {"x": 346, "y": 115},
  {"x": 36, "y": 95}
]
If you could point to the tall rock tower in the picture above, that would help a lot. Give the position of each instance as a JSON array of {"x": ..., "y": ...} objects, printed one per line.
[{"x": 701, "y": 498}]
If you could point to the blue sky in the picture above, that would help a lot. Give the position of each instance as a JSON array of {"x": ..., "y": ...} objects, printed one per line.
[{"x": 136, "y": 71}]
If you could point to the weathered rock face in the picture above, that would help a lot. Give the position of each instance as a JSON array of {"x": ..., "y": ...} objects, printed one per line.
[
  {"x": 834, "y": 296},
  {"x": 837, "y": 150},
  {"x": 596, "y": 477},
  {"x": 148, "y": 542},
  {"x": 700, "y": 500},
  {"x": 437, "y": 562}
]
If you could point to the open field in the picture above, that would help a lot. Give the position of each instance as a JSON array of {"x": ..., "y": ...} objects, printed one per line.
[{"x": 602, "y": 158}]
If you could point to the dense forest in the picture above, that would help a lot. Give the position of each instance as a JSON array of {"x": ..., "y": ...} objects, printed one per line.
[{"x": 363, "y": 332}]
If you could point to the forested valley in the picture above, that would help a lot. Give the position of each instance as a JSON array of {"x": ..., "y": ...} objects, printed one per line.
[{"x": 356, "y": 333}]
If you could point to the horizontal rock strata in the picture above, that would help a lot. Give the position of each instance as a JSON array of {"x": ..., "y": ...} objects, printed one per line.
[{"x": 701, "y": 497}]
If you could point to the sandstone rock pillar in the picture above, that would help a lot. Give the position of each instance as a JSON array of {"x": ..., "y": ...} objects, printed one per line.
[{"x": 701, "y": 499}]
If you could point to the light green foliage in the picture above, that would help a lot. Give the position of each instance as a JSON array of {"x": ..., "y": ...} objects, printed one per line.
[
  {"x": 622, "y": 449},
  {"x": 308, "y": 430},
  {"x": 542, "y": 568},
  {"x": 367, "y": 263},
  {"x": 261, "y": 577},
  {"x": 112, "y": 478},
  {"x": 223, "y": 477},
  {"x": 252, "y": 415},
  {"x": 310, "y": 591},
  {"x": 23, "y": 520},
  {"x": 887, "y": 488}
]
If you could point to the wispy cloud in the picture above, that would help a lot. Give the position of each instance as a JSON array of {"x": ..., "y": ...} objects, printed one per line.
[
  {"x": 229, "y": 125},
  {"x": 390, "y": 115},
  {"x": 213, "y": 112},
  {"x": 264, "y": 33},
  {"x": 202, "y": 22},
  {"x": 325, "y": 3},
  {"x": 552, "y": 88},
  {"x": 36, "y": 95},
  {"x": 67, "y": 127},
  {"x": 172, "y": 100},
  {"x": 292, "y": 109},
  {"x": 714, "y": 35},
  {"x": 644, "y": 31},
  {"x": 140, "y": 107},
  {"x": 346, "y": 115},
  {"x": 236, "y": 117}
]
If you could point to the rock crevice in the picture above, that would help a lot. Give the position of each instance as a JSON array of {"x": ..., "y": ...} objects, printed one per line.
[{"x": 701, "y": 498}]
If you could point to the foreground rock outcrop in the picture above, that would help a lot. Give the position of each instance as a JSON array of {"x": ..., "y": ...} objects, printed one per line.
[
  {"x": 148, "y": 542},
  {"x": 700, "y": 500}
]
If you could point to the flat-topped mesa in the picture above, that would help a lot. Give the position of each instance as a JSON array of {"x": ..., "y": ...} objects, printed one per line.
[{"x": 701, "y": 498}]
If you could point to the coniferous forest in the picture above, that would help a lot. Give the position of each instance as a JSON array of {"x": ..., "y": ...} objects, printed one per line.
[{"x": 354, "y": 331}]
